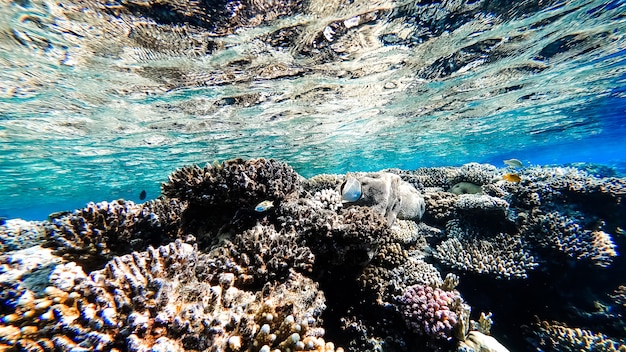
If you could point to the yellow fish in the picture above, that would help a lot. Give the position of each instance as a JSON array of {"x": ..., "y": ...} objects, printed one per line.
[
  {"x": 514, "y": 163},
  {"x": 264, "y": 206},
  {"x": 512, "y": 177}
]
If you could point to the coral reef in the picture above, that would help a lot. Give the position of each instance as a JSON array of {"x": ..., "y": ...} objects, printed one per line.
[
  {"x": 18, "y": 234},
  {"x": 200, "y": 269},
  {"x": 158, "y": 298}
]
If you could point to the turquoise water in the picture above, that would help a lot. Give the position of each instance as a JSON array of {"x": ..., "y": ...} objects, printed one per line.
[{"x": 97, "y": 105}]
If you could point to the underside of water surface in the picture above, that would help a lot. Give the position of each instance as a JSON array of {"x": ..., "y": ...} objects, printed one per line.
[{"x": 100, "y": 100}]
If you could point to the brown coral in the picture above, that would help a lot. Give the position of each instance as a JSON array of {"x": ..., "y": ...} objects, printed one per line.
[
  {"x": 102, "y": 230},
  {"x": 233, "y": 183},
  {"x": 155, "y": 298}
]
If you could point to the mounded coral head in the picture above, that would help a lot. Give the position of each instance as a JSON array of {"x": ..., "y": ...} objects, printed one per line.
[
  {"x": 237, "y": 182},
  {"x": 431, "y": 311}
]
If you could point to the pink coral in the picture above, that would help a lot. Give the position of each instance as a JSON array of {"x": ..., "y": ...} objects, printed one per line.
[{"x": 431, "y": 311}]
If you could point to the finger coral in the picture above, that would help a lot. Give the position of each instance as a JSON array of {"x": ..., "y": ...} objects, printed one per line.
[
  {"x": 102, "y": 230},
  {"x": 432, "y": 311},
  {"x": 233, "y": 183}
]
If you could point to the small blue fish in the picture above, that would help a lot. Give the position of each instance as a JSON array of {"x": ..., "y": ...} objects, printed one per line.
[{"x": 264, "y": 206}]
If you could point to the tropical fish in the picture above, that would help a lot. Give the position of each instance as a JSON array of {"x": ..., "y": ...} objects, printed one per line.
[
  {"x": 511, "y": 177},
  {"x": 466, "y": 188},
  {"x": 351, "y": 190},
  {"x": 142, "y": 195},
  {"x": 514, "y": 163},
  {"x": 264, "y": 206}
]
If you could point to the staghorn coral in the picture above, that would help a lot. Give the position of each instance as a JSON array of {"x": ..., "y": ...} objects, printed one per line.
[
  {"x": 234, "y": 183},
  {"x": 102, "y": 230}
]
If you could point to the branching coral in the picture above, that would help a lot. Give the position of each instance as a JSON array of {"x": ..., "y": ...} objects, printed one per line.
[
  {"x": 432, "y": 311},
  {"x": 234, "y": 183},
  {"x": 158, "y": 299},
  {"x": 555, "y": 336},
  {"x": 102, "y": 230}
]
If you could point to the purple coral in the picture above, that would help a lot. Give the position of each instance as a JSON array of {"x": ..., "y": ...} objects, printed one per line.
[{"x": 430, "y": 311}]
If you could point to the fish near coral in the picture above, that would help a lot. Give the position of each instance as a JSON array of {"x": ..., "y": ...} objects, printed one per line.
[
  {"x": 514, "y": 163},
  {"x": 264, "y": 206},
  {"x": 387, "y": 194},
  {"x": 512, "y": 177},
  {"x": 351, "y": 190},
  {"x": 466, "y": 188}
]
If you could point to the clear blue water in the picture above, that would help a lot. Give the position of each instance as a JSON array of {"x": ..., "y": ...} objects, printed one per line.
[{"x": 89, "y": 113}]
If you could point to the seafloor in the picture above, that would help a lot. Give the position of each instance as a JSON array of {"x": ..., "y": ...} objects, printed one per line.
[{"x": 248, "y": 255}]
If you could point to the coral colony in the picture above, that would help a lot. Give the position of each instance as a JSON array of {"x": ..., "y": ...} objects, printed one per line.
[{"x": 247, "y": 255}]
